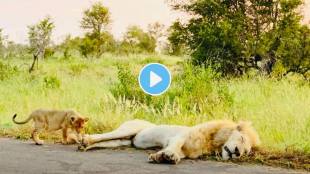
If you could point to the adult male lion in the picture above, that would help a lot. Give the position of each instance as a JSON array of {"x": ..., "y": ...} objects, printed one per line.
[{"x": 230, "y": 139}]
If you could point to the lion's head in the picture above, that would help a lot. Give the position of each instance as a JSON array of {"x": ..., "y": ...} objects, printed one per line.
[{"x": 240, "y": 141}]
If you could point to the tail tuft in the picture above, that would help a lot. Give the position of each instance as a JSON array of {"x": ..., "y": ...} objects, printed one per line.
[{"x": 15, "y": 115}]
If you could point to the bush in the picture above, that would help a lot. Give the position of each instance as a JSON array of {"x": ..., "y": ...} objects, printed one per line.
[
  {"x": 128, "y": 85},
  {"x": 49, "y": 52},
  {"x": 199, "y": 88},
  {"x": 51, "y": 82},
  {"x": 196, "y": 89},
  {"x": 77, "y": 69},
  {"x": 7, "y": 71}
]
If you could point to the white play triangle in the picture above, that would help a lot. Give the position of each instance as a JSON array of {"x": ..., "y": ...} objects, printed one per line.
[{"x": 154, "y": 79}]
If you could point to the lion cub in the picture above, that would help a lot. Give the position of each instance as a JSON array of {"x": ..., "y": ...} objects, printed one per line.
[{"x": 52, "y": 120}]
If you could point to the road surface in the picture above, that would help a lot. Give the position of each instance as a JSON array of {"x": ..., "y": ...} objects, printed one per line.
[{"x": 25, "y": 158}]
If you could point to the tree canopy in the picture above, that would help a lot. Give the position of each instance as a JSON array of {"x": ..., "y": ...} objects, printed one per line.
[
  {"x": 231, "y": 35},
  {"x": 138, "y": 41},
  {"x": 95, "y": 21},
  {"x": 39, "y": 38}
]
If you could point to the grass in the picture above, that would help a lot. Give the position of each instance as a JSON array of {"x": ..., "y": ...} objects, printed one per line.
[{"x": 279, "y": 109}]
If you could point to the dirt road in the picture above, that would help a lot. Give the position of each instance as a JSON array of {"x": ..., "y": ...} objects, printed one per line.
[{"x": 26, "y": 158}]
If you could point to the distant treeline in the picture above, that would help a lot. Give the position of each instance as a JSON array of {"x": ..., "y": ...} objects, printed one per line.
[
  {"x": 96, "y": 40},
  {"x": 230, "y": 36}
]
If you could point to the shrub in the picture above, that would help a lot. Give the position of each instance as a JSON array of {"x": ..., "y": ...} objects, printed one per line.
[
  {"x": 77, "y": 69},
  {"x": 51, "y": 82},
  {"x": 49, "y": 52},
  {"x": 7, "y": 71},
  {"x": 199, "y": 87},
  {"x": 128, "y": 85},
  {"x": 196, "y": 89}
]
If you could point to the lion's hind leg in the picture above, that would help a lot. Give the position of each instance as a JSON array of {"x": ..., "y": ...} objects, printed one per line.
[
  {"x": 125, "y": 131},
  {"x": 109, "y": 144}
]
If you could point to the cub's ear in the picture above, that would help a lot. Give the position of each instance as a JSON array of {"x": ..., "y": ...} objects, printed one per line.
[
  {"x": 243, "y": 124},
  {"x": 72, "y": 119}
]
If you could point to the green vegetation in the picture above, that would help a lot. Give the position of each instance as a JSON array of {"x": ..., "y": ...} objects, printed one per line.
[
  {"x": 237, "y": 60},
  {"x": 39, "y": 39},
  {"x": 232, "y": 36},
  {"x": 107, "y": 91}
]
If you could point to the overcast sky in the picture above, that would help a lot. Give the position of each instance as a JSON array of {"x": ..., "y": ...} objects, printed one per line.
[{"x": 16, "y": 15}]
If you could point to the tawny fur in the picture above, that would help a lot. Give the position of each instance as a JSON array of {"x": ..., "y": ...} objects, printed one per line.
[
  {"x": 211, "y": 136},
  {"x": 53, "y": 120}
]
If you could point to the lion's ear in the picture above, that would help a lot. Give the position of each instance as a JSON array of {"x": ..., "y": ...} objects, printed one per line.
[{"x": 243, "y": 124}]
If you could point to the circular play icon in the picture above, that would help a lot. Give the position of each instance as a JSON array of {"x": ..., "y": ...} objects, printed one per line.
[{"x": 154, "y": 79}]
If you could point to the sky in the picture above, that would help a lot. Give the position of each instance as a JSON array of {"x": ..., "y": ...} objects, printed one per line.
[{"x": 16, "y": 15}]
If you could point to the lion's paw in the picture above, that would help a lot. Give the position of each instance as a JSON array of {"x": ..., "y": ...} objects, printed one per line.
[
  {"x": 64, "y": 142},
  {"x": 39, "y": 142},
  {"x": 164, "y": 157}
]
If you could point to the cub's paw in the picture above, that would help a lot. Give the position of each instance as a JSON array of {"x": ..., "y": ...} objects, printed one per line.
[
  {"x": 64, "y": 142},
  {"x": 39, "y": 142},
  {"x": 81, "y": 148},
  {"x": 84, "y": 144},
  {"x": 165, "y": 157}
]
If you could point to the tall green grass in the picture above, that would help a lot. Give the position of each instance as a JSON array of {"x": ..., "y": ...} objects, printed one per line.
[{"x": 101, "y": 90}]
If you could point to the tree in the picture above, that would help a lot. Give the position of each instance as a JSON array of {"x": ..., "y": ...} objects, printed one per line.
[
  {"x": 39, "y": 39},
  {"x": 231, "y": 35},
  {"x": 215, "y": 34},
  {"x": 293, "y": 40},
  {"x": 87, "y": 46},
  {"x": 158, "y": 32},
  {"x": 68, "y": 45},
  {"x": 176, "y": 38},
  {"x": 96, "y": 21},
  {"x": 65, "y": 47},
  {"x": 137, "y": 41}
]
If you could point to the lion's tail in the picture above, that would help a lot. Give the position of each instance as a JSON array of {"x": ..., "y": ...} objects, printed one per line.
[{"x": 21, "y": 122}]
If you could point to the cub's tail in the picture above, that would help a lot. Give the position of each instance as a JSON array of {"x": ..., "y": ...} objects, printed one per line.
[{"x": 21, "y": 122}]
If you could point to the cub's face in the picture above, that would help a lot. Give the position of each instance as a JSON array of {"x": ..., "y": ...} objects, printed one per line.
[
  {"x": 236, "y": 146},
  {"x": 78, "y": 123}
]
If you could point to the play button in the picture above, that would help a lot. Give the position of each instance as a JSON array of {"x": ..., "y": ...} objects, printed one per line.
[{"x": 154, "y": 79}]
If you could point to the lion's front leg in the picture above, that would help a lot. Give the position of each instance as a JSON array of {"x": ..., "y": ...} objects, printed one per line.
[{"x": 171, "y": 154}]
